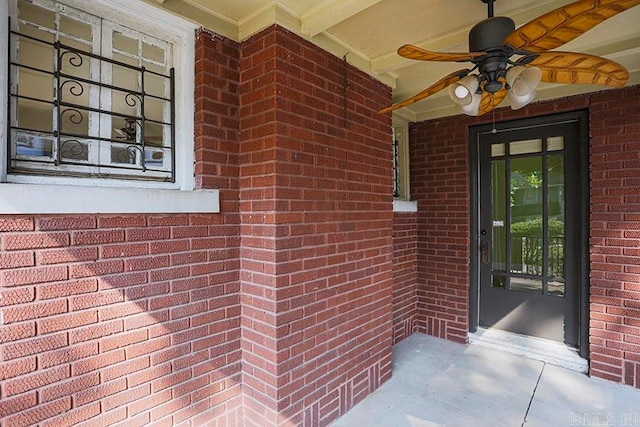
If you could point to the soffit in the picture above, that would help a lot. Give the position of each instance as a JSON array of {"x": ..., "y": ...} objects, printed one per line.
[{"x": 370, "y": 31}]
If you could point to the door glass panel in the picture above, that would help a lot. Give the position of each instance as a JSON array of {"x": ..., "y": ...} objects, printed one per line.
[
  {"x": 499, "y": 281},
  {"x": 527, "y": 146},
  {"x": 526, "y": 202},
  {"x": 499, "y": 236},
  {"x": 522, "y": 284},
  {"x": 497, "y": 150},
  {"x": 556, "y": 205},
  {"x": 555, "y": 143}
]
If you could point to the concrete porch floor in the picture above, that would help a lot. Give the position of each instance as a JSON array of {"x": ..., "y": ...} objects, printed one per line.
[{"x": 440, "y": 383}]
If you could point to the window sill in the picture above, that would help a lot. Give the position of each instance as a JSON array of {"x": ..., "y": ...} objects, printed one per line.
[
  {"x": 50, "y": 199},
  {"x": 405, "y": 205}
]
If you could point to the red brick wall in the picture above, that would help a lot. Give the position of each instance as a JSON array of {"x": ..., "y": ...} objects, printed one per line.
[
  {"x": 316, "y": 232},
  {"x": 440, "y": 184},
  {"x": 439, "y": 181},
  {"x": 130, "y": 319},
  {"x": 615, "y": 235},
  {"x": 405, "y": 297}
]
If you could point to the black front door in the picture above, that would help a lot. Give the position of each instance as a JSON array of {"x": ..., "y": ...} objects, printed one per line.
[{"x": 529, "y": 230}]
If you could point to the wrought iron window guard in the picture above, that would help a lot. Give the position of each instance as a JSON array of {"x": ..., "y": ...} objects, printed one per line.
[
  {"x": 133, "y": 162},
  {"x": 396, "y": 167}
]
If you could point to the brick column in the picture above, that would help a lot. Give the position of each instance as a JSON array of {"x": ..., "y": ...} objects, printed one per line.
[{"x": 316, "y": 232}]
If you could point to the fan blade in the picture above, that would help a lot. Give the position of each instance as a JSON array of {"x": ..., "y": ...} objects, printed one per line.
[
  {"x": 565, "y": 24},
  {"x": 414, "y": 52},
  {"x": 490, "y": 101},
  {"x": 434, "y": 88},
  {"x": 580, "y": 68}
]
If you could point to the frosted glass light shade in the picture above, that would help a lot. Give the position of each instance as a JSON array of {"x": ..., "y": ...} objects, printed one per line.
[
  {"x": 473, "y": 108},
  {"x": 462, "y": 91},
  {"x": 523, "y": 80},
  {"x": 518, "y": 102}
]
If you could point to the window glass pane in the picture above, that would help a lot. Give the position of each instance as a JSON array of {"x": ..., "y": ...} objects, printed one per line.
[
  {"x": 75, "y": 28},
  {"x": 154, "y": 109},
  {"x": 124, "y": 129},
  {"x": 154, "y": 158},
  {"x": 35, "y": 115},
  {"x": 526, "y": 215},
  {"x": 33, "y": 145},
  {"x": 125, "y": 77},
  {"x": 35, "y": 84},
  {"x": 525, "y": 146},
  {"x": 74, "y": 121},
  {"x": 153, "y": 53},
  {"x": 33, "y": 53},
  {"x": 74, "y": 150},
  {"x": 156, "y": 85},
  {"x": 153, "y": 134},
  {"x": 123, "y": 103},
  {"x": 35, "y": 14},
  {"x": 125, "y": 44},
  {"x": 75, "y": 63},
  {"x": 123, "y": 154},
  {"x": 160, "y": 69}
]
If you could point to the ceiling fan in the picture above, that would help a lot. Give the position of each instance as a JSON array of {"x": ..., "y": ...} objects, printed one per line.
[{"x": 511, "y": 63}]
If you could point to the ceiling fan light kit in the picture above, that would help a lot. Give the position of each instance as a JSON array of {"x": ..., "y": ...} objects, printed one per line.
[{"x": 494, "y": 41}]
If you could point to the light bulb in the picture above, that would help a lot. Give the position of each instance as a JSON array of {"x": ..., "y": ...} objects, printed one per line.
[{"x": 461, "y": 91}]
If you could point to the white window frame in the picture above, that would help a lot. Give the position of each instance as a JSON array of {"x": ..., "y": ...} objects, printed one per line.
[
  {"x": 401, "y": 203},
  {"x": 22, "y": 194},
  {"x": 401, "y": 137}
]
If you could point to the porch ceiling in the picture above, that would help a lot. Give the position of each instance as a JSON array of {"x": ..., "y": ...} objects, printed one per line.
[{"x": 370, "y": 31}]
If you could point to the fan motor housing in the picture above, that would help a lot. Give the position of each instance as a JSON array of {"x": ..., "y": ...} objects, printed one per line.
[{"x": 490, "y": 33}]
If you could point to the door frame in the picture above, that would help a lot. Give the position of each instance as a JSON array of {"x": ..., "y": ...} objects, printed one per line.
[{"x": 580, "y": 117}]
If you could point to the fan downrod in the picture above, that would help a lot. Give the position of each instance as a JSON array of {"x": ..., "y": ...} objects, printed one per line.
[{"x": 489, "y": 4}]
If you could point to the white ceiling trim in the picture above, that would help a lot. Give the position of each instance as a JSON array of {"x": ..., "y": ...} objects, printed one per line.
[
  {"x": 276, "y": 13},
  {"x": 264, "y": 18},
  {"x": 202, "y": 16},
  {"x": 332, "y": 12}
]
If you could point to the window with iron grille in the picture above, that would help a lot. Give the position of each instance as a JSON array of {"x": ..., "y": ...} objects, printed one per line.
[
  {"x": 88, "y": 97},
  {"x": 400, "y": 156},
  {"x": 396, "y": 166}
]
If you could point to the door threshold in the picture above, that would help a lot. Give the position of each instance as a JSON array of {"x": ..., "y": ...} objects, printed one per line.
[{"x": 530, "y": 347}]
